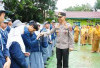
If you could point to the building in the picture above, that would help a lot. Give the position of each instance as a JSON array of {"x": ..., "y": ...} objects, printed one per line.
[{"x": 82, "y": 16}]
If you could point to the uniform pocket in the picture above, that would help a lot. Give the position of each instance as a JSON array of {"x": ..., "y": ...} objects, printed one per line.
[{"x": 58, "y": 39}]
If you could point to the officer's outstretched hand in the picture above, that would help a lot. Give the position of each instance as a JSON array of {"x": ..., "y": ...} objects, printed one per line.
[
  {"x": 8, "y": 63},
  {"x": 39, "y": 35},
  {"x": 71, "y": 49}
]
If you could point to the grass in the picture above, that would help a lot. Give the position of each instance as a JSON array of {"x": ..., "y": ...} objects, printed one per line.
[{"x": 82, "y": 22}]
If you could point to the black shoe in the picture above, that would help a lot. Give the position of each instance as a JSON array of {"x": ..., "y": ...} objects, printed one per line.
[
  {"x": 45, "y": 64},
  {"x": 48, "y": 59},
  {"x": 52, "y": 53}
]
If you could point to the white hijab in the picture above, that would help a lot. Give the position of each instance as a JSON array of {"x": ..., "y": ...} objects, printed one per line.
[{"x": 15, "y": 35}]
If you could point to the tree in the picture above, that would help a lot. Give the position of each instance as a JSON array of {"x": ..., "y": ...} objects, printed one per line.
[
  {"x": 46, "y": 5},
  {"x": 83, "y": 7},
  {"x": 97, "y": 5},
  {"x": 27, "y": 10}
]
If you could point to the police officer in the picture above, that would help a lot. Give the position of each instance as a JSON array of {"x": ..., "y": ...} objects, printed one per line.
[{"x": 64, "y": 41}]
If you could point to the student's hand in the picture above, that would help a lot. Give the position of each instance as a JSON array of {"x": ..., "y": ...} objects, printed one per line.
[
  {"x": 71, "y": 49},
  {"x": 8, "y": 63},
  {"x": 39, "y": 35},
  {"x": 27, "y": 54},
  {"x": 42, "y": 33},
  {"x": 50, "y": 42}
]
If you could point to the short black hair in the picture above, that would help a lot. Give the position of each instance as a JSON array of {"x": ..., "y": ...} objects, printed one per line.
[
  {"x": 1, "y": 12},
  {"x": 35, "y": 26}
]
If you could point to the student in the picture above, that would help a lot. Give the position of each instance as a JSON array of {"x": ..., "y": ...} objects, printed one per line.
[
  {"x": 4, "y": 53},
  {"x": 9, "y": 24},
  {"x": 76, "y": 34},
  {"x": 50, "y": 44},
  {"x": 28, "y": 31},
  {"x": 3, "y": 31},
  {"x": 95, "y": 41},
  {"x": 36, "y": 52},
  {"x": 83, "y": 35},
  {"x": 32, "y": 41},
  {"x": 16, "y": 46},
  {"x": 46, "y": 51},
  {"x": 53, "y": 36},
  {"x": 90, "y": 35}
]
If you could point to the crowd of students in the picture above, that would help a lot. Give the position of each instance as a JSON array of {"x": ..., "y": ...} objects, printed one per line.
[
  {"x": 88, "y": 35},
  {"x": 25, "y": 45}
]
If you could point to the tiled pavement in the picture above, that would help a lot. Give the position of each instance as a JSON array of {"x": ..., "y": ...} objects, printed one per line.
[{"x": 82, "y": 58}]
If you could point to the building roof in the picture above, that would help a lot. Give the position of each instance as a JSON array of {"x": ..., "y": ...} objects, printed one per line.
[{"x": 83, "y": 15}]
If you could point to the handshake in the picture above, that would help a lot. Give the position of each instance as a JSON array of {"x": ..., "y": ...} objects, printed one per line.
[{"x": 40, "y": 34}]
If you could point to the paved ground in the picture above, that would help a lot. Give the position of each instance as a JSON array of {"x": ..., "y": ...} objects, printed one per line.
[{"x": 82, "y": 58}]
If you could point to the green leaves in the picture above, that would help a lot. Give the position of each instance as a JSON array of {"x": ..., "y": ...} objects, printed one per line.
[
  {"x": 27, "y": 10},
  {"x": 97, "y": 4},
  {"x": 83, "y": 7}
]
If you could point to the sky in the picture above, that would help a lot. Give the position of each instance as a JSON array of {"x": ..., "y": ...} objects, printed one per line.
[{"x": 62, "y": 4}]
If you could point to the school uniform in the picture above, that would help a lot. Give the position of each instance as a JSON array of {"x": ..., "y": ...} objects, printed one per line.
[
  {"x": 1, "y": 64},
  {"x": 36, "y": 59},
  {"x": 8, "y": 29},
  {"x": 36, "y": 52},
  {"x": 2, "y": 60},
  {"x": 83, "y": 36},
  {"x": 17, "y": 56},
  {"x": 4, "y": 37},
  {"x": 50, "y": 45},
  {"x": 25, "y": 37},
  {"x": 53, "y": 37},
  {"x": 45, "y": 51},
  {"x": 95, "y": 41},
  {"x": 76, "y": 34},
  {"x": 16, "y": 48},
  {"x": 3, "y": 50}
]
